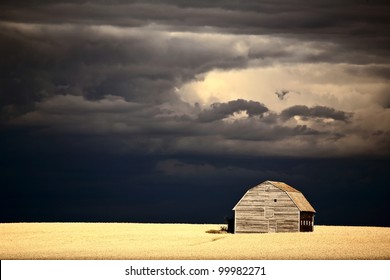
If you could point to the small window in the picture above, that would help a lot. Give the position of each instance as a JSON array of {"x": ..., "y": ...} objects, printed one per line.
[
  {"x": 269, "y": 213},
  {"x": 275, "y": 200}
]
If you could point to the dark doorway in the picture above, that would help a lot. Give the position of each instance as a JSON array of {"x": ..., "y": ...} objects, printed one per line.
[{"x": 306, "y": 221}]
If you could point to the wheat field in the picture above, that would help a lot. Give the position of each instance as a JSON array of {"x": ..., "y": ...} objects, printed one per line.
[{"x": 186, "y": 241}]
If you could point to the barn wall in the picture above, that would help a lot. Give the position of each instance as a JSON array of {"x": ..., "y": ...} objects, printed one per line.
[{"x": 258, "y": 212}]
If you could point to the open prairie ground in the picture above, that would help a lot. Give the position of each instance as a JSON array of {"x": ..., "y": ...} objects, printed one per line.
[{"x": 186, "y": 241}]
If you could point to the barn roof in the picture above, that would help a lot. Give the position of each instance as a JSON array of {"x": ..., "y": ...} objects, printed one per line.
[
  {"x": 296, "y": 196},
  {"x": 283, "y": 186},
  {"x": 301, "y": 202}
]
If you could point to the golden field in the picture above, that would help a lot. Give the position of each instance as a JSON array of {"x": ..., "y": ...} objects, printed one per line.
[{"x": 186, "y": 241}]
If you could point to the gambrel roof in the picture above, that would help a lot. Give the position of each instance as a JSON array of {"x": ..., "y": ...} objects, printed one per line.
[{"x": 296, "y": 196}]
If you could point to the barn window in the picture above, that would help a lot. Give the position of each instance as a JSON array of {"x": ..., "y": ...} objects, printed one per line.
[
  {"x": 275, "y": 200},
  {"x": 269, "y": 213}
]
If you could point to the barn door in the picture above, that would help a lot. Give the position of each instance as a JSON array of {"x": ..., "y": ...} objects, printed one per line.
[
  {"x": 272, "y": 225},
  {"x": 269, "y": 215},
  {"x": 306, "y": 221}
]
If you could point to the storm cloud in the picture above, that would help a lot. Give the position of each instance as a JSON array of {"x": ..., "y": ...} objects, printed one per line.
[
  {"x": 125, "y": 66},
  {"x": 315, "y": 112},
  {"x": 220, "y": 111}
]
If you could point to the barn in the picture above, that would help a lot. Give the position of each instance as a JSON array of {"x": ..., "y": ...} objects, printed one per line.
[{"x": 273, "y": 207}]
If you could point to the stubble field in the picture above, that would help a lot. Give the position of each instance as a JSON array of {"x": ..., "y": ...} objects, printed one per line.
[{"x": 186, "y": 241}]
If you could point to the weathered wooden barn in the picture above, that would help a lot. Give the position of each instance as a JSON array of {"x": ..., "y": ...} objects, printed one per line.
[{"x": 273, "y": 207}]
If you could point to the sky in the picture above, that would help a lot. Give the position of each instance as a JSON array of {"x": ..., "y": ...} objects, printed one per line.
[{"x": 168, "y": 111}]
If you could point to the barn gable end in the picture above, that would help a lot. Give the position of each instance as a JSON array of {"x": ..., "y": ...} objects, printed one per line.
[{"x": 272, "y": 207}]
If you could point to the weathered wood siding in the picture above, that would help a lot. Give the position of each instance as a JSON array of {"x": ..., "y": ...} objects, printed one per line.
[{"x": 266, "y": 208}]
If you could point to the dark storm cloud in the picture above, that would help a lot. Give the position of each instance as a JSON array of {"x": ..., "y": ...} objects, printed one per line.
[
  {"x": 107, "y": 80},
  {"x": 220, "y": 111},
  {"x": 358, "y": 25},
  {"x": 249, "y": 131},
  {"x": 141, "y": 65},
  {"x": 123, "y": 127},
  {"x": 315, "y": 112},
  {"x": 249, "y": 16},
  {"x": 119, "y": 47}
]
